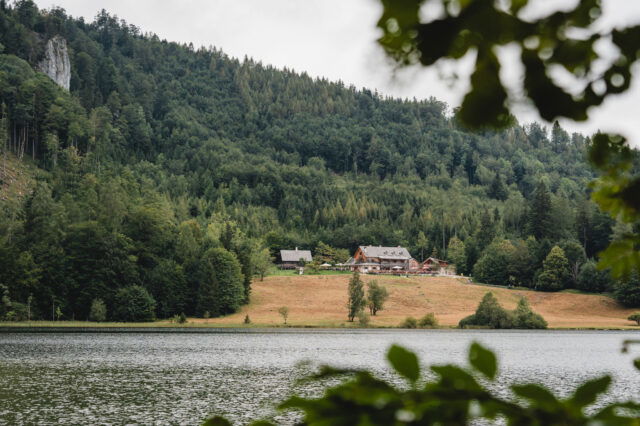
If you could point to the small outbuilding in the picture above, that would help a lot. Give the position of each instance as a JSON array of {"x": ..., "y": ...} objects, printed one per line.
[
  {"x": 290, "y": 259},
  {"x": 435, "y": 266}
]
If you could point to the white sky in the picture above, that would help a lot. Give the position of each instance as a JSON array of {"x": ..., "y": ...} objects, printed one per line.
[{"x": 333, "y": 39}]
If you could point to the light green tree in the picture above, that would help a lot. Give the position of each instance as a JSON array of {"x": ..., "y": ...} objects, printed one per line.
[
  {"x": 376, "y": 296},
  {"x": 98, "y": 311},
  {"x": 456, "y": 254},
  {"x": 262, "y": 262},
  {"x": 555, "y": 271},
  {"x": 356, "y": 300}
]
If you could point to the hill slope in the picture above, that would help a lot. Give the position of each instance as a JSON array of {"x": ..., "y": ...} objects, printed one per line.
[
  {"x": 322, "y": 301},
  {"x": 163, "y": 162}
]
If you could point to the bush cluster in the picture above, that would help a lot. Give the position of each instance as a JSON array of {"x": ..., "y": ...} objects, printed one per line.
[{"x": 491, "y": 314}]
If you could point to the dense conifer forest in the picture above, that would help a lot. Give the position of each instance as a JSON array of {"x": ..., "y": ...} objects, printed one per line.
[{"x": 168, "y": 176}]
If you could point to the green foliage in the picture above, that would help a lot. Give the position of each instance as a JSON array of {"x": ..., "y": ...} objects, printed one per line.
[
  {"x": 356, "y": 300},
  {"x": 524, "y": 317},
  {"x": 457, "y": 255},
  {"x": 617, "y": 192},
  {"x": 488, "y": 314},
  {"x": 482, "y": 26},
  {"x": 494, "y": 264},
  {"x": 627, "y": 291},
  {"x": 540, "y": 221},
  {"x": 498, "y": 189},
  {"x": 483, "y": 360},
  {"x": 134, "y": 304},
  {"x": 404, "y": 362},
  {"x": 409, "y": 322},
  {"x": 635, "y": 317},
  {"x": 98, "y": 311},
  {"x": 593, "y": 280},
  {"x": 429, "y": 320},
  {"x": 555, "y": 273},
  {"x": 376, "y": 296},
  {"x": 221, "y": 289},
  {"x": 453, "y": 395},
  {"x": 262, "y": 262}
]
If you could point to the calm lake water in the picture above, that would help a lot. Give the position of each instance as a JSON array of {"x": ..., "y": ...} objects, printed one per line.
[{"x": 181, "y": 378}]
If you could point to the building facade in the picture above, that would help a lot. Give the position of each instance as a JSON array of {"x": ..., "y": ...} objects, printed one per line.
[{"x": 379, "y": 259}]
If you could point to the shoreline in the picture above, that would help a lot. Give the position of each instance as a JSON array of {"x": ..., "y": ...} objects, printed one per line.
[{"x": 166, "y": 327}]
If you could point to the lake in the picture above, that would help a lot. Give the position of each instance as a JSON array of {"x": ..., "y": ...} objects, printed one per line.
[{"x": 182, "y": 377}]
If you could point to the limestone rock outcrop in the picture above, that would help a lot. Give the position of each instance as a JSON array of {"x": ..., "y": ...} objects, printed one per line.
[{"x": 56, "y": 62}]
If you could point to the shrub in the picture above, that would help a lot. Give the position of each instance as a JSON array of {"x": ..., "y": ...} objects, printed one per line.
[
  {"x": 134, "y": 304},
  {"x": 409, "y": 322},
  {"x": 182, "y": 318},
  {"x": 284, "y": 313},
  {"x": 635, "y": 317},
  {"x": 247, "y": 320},
  {"x": 491, "y": 314},
  {"x": 628, "y": 292},
  {"x": 18, "y": 312},
  {"x": 429, "y": 320},
  {"x": 524, "y": 317},
  {"x": 98, "y": 311},
  {"x": 363, "y": 319}
]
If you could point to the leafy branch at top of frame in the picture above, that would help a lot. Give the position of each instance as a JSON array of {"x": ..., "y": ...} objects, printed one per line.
[{"x": 565, "y": 39}]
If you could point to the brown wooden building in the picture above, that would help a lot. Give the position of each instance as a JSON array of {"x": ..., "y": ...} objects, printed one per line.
[
  {"x": 378, "y": 258},
  {"x": 435, "y": 266}
]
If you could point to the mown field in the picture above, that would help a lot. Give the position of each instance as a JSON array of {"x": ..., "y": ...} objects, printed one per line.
[{"x": 322, "y": 300}]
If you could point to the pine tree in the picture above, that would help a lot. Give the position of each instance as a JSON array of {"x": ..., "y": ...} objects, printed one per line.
[
  {"x": 540, "y": 220},
  {"x": 498, "y": 190},
  {"x": 356, "y": 296}
]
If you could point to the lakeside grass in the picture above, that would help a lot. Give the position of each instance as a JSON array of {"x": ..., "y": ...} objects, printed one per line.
[
  {"x": 294, "y": 273},
  {"x": 196, "y": 323}
]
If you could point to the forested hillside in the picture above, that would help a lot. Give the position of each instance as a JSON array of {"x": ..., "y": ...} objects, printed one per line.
[{"x": 167, "y": 173}]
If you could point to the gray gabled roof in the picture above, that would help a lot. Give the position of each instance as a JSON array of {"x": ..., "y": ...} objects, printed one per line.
[
  {"x": 386, "y": 252},
  {"x": 295, "y": 255}
]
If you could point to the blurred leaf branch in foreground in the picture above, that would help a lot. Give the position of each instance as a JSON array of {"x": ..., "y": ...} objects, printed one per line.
[
  {"x": 563, "y": 43},
  {"x": 456, "y": 396}
]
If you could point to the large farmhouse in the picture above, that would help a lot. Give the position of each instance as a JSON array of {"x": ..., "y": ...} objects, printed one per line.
[
  {"x": 290, "y": 259},
  {"x": 377, "y": 258}
]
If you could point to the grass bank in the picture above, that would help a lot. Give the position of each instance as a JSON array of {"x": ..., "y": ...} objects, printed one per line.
[{"x": 321, "y": 300}]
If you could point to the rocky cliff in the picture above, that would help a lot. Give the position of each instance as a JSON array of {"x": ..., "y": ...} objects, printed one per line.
[{"x": 56, "y": 62}]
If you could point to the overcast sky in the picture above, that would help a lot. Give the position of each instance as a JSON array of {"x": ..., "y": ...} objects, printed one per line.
[{"x": 333, "y": 39}]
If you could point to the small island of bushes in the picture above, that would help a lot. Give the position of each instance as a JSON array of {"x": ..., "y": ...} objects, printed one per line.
[{"x": 491, "y": 314}]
